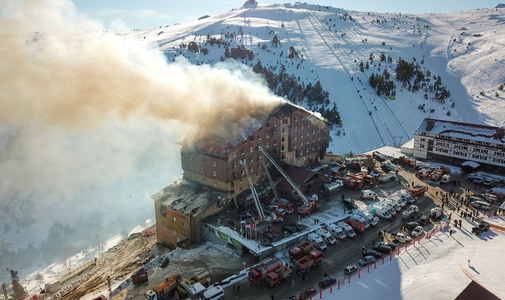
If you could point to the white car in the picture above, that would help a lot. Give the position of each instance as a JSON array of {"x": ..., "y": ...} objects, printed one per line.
[
  {"x": 407, "y": 214},
  {"x": 472, "y": 176},
  {"x": 417, "y": 231},
  {"x": 414, "y": 208},
  {"x": 403, "y": 238}
]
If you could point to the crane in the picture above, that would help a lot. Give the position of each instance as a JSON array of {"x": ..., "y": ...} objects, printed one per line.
[
  {"x": 270, "y": 179},
  {"x": 307, "y": 205},
  {"x": 253, "y": 190}
]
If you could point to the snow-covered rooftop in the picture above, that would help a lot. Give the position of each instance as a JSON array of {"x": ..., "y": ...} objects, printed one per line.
[{"x": 466, "y": 132}]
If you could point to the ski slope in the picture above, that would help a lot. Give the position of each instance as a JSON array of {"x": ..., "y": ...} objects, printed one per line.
[{"x": 334, "y": 41}]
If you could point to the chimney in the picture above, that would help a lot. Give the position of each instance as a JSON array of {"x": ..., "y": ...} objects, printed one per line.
[
  {"x": 430, "y": 124},
  {"x": 500, "y": 131}
]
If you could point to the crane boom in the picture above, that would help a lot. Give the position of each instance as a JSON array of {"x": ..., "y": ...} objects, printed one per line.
[
  {"x": 253, "y": 190},
  {"x": 270, "y": 179},
  {"x": 306, "y": 203}
]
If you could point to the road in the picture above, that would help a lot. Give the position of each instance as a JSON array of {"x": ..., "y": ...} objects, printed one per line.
[{"x": 345, "y": 252}]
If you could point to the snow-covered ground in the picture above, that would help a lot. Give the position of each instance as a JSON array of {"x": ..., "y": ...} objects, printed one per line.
[
  {"x": 58, "y": 174},
  {"x": 438, "y": 268}
]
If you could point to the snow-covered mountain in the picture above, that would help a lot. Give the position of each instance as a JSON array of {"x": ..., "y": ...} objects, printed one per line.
[{"x": 464, "y": 49}]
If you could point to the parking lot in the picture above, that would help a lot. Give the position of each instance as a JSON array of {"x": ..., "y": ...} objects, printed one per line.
[{"x": 348, "y": 251}]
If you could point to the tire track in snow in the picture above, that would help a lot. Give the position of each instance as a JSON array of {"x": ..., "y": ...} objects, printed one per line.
[
  {"x": 383, "y": 100},
  {"x": 346, "y": 71}
]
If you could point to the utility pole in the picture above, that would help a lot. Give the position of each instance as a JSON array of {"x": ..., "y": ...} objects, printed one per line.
[{"x": 98, "y": 242}]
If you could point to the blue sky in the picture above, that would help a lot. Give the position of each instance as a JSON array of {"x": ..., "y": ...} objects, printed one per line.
[{"x": 148, "y": 14}]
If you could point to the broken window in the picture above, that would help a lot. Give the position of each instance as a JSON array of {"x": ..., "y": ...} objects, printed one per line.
[{"x": 163, "y": 210}]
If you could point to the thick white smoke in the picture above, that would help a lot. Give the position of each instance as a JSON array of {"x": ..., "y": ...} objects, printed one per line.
[{"x": 90, "y": 119}]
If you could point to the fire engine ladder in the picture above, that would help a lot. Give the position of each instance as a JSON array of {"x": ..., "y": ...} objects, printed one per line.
[
  {"x": 298, "y": 191},
  {"x": 253, "y": 190},
  {"x": 270, "y": 179}
]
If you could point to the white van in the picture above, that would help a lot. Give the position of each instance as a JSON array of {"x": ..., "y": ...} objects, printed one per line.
[
  {"x": 347, "y": 229},
  {"x": 368, "y": 194},
  {"x": 360, "y": 219},
  {"x": 372, "y": 220},
  {"x": 480, "y": 205},
  {"x": 214, "y": 293},
  {"x": 380, "y": 211},
  {"x": 491, "y": 198},
  {"x": 446, "y": 178},
  {"x": 326, "y": 236},
  {"x": 398, "y": 200},
  {"x": 336, "y": 231},
  {"x": 317, "y": 240},
  {"x": 406, "y": 196},
  {"x": 393, "y": 204}
]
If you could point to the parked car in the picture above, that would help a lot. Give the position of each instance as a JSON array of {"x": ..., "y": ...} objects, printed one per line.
[
  {"x": 366, "y": 260},
  {"x": 289, "y": 228},
  {"x": 402, "y": 237},
  {"x": 423, "y": 220},
  {"x": 165, "y": 263},
  {"x": 487, "y": 182},
  {"x": 307, "y": 293},
  {"x": 414, "y": 208},
  {"x": 350, "y": 269},
  {"x": 472, "y": 176},
  {"x": 417, "y": 231},
  {"x": 391, "y": 245},
  {"x": 372, "y": 253},
  {"x": 407, "y": 214},
  {"x": 384, "y": 249},
  {"x": 477, "y": 180},
  {"x": 410, "y": 226},
  {"x": 326, "y": 282}
]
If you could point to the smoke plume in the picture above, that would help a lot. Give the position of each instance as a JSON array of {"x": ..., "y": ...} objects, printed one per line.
[
  {"x": 87, "y": 117},
  {"x": 59, "y": 66}
]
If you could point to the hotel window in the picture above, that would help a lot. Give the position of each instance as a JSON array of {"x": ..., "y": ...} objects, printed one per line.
[
  {"x": 242, "y": 151},
  {"x": 259, "y": 137},
  {"x": 268, "y": 125},
  {"x": 283, "y": 130},
  {"x": 267, "y": 145},
  {"x": 251, "y": 138},
  {"x": 283, "y": 139},
  {"x": 296, "y": 119},
  {"x": 234, "y": 154},
  {"x": 203, "y": 179},
  {"x": 251, "y": 149},
  {"x": 267, "y": 135},
  {"x": 296, "y": 136},
  {"x": 234, "y": 164},
  {"x": 252, "y": 159},
  {"x": 283, "y": 148},
  {"x": 308, "y": 124},
  {"x": 314, "y": 131},
  {"x": 214, "y": 173},
  {"x": 275, "y": 142},
  {"x": 302, "y": 126},
  {"x": 214, "y": 163},
  {"x": 296, "y": 127},
  {"x": 275, "y": 123},
  {"x": 215, "y": 183},
  {"x": 285, "y": 121},
  {"x": 203, "y": 170}
]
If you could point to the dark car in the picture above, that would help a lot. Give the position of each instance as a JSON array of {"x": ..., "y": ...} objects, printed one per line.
[
  {"x": 289, "y": 228},
  {"x": 291, "y": 298},
  {"x": 372, "y": 253},
  {"x": 165, "y": 262},
  {"x": 392, "y": 245},
  {"x": 326, "y": 282},
  {"x": 350, "y": 269},
  {"x": 299, "y": 227},
  {"x": 366, "y": 260},
  {"x": 307, "y": 293},
  {"x": 423, "y": 220},
  {"x": 382, "y": 249},
  {"x": 410, "y": 226}
]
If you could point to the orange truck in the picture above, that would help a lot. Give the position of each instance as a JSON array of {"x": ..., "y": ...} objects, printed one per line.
[
  {"x": 278, "y": 276},
  {"x": 297, "y": 252},
  {"x": 259, "y": 272},
  {"x": 313, "y": 258}
]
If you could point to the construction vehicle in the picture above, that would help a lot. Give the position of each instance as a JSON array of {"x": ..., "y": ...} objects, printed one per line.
[
  {"x": 188, "y": 289},
  {"x": 297, "y": 252},
  {"x": 278, "y": 276},
  {"x": 165, "y": 289},
  {"x": 417, "y": 190},
  {"x": 259, "y": 272},
  {"x": 313, "y": 258},
  {"x": 410, "y": 162},
  {"x": 352, "y": 183},
  {"x": 307, "y": 205}
]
